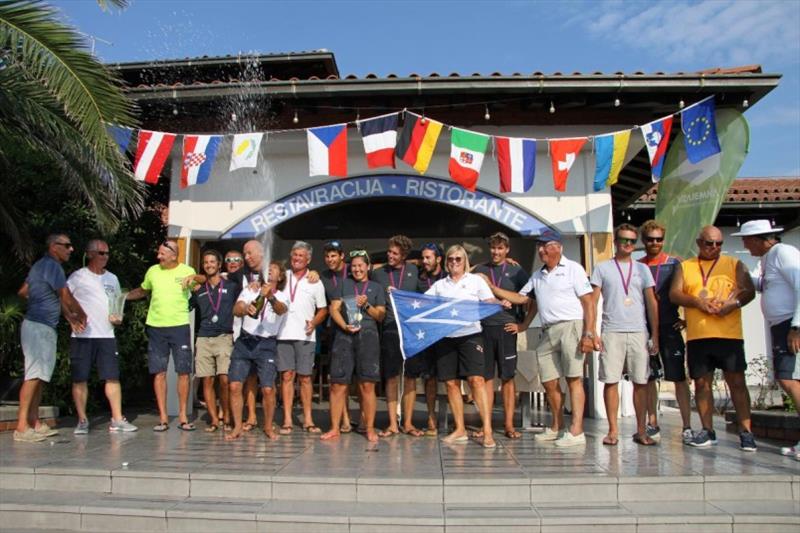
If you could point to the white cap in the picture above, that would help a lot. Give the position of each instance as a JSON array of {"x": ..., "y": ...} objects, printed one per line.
[{"x": 756, "y": 227}]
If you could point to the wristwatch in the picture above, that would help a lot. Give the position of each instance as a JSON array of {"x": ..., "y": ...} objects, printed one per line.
[
  {"x": 588, "y": 335},
  {"x": 366, "y": 306}
]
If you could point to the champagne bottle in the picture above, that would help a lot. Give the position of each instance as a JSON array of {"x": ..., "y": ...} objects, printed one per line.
[{"x": 258, "y": 303}]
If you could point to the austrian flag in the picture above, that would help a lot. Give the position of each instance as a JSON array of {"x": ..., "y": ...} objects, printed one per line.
[
  {"x": 327, "y": 151},
  {"x": 380, "y": 138},
  {"x": 152, "y": 151},
  {"x": 199, "y": 152},
  {"x": 466, "y": 157}
]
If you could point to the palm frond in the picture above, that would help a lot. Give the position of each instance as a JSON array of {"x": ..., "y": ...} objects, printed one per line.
[{"x": 107, "y": 5}]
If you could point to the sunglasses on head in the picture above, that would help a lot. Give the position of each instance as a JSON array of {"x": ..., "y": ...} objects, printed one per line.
[
  {"x": 432, "y": 246},
  {"x": 711, "y": 243},
  {"x": 233, "y": 259},
  {"x": 359, "y": 253},
  {"x": 455, "y": 259},
  {"x": 623, "y": 241},
  {"x": 654, "y": 239},
  {"x": 168, "y": 246},
  {"x": 65, "y": 244}
]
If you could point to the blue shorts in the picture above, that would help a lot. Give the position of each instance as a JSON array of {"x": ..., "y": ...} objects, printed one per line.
[
  {"x": 251, "y": 351},
  {"x": 101, "y": 352},
  {"x": 162, "y": 341},
  {"x": 785, "y": 363}
]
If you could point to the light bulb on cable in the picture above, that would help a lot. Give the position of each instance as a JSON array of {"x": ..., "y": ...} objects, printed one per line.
[
  {"x": 295, "y": 120},
  {"x": 487, "y": 117},
  {"x": 617, "y": 103},
  {"x": 552, "y": 108},
  {"x": 681, "y": 104},
  {"x": 745, "y": 103}
]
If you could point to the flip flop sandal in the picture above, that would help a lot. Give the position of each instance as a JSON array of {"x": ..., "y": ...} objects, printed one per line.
[
  {"x": 163, "y": 426},
  {"x": 247, "y": 426},
  {"x": 312, "y": 429},
  {"x": 514, "y": 434},
  {"x": 412, "y": 432},
  {"x": 387, "y": 434},
  {"x": 211, "y": 428},
  {"x": 286, "y": 430},
  {"x": 644, "y": 441},
  {"x": 489, "y": 446},
  {"x": 186, "y": 426},
  {"x": 345, "y": 429},
  {"x": 430, "y": 432},
  {"x": 610, "y": 441}
]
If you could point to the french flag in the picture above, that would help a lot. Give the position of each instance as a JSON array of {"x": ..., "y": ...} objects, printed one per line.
[
  {"x": 327, "y": 151},
  {"x": 380, "y": 139},
  {"x": 656, "y": 138},
  {"x": 199, "y": 152},
  {"x": 516, "y": 159},
  {"x": 152, "y": 151}
]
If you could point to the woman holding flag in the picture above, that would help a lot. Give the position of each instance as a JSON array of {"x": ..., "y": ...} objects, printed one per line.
[{"x": 460, "y": 355}]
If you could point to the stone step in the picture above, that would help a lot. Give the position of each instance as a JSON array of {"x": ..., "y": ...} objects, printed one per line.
[{"x": 87, "y": 511}]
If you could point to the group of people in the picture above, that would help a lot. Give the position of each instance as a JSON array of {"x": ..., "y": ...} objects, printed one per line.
[{"x": 257, "y": 327}]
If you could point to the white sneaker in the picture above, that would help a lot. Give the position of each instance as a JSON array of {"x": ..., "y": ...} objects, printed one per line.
[
  {"x": 82, "y": 428},
  {"x": 29, "y": 435},
  {"x": 547, "y": 435},
  {"x": 45, "y": 430},
  {"x": 567, "y": 439},
  {"x": 121, "y": 425},
  {"x": 687, "y": 435},
  {"x": 792, "y": 450}
]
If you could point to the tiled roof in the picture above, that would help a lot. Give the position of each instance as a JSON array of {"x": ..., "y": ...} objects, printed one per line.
[{"x": 750, "y": 190}]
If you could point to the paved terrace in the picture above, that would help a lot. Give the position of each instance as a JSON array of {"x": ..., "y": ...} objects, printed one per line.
[{"x": 197, "y": 481}]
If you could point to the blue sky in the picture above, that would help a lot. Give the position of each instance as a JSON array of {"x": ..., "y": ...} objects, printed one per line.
[{"x": 475, "y": 36}]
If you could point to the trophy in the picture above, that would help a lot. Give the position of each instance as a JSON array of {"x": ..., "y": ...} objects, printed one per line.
[
  {"x": 116, "y": 307},
  {"x": 354, "y": 315}
]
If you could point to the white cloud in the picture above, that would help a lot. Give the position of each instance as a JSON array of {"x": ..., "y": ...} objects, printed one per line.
[
  {"x": 776, "y": 115},
  {"x": 706, "y": 33}
]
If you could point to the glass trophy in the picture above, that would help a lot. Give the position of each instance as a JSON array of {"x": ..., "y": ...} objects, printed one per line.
[
  {"x": 116, "y": 307},
  {"x": 354, "y": 315}
]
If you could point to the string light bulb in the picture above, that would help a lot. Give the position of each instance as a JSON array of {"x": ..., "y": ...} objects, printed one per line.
[
  {"x": 681, "y": 104},
  {"x": 233, "y": 117},
  {"x": 487, "y": 117},
  {"x": 174, "y": 110},
  {"x": 295, "y": 120},
  {"x": 745, "y": 103},
  {"x": 617, "y": 103},
  {"x": 552, "y": 107}
]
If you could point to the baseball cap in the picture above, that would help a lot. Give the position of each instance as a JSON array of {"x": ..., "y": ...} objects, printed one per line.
[
  {"x": 549, "y": 235},
  {"x": 333, "y": 245}
]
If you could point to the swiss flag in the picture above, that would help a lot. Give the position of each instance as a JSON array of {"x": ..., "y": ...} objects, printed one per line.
[{"x": 563, "y": 153}]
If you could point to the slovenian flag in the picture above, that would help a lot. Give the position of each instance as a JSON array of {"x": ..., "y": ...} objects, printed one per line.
[
  {"x": 656, "y": 138},
  {"x": 380, "y": 138},
  {"x": 199, "y": 152},
  {"x": 327, "y": 151},
  {"x": 467, "y": 149},
  {"x": 610, "y": 153},
  {"x": 418, "y": 141},
  {"x": 152, "y": 151},
  {"x": 516, "y": 159},
  {"x": 563, "y": 153}
]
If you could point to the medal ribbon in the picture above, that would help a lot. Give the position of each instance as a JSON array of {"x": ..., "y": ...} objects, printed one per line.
[
  {"x": 344, "y": 274},
  {"x": 502, "y": 273},
  {"x": 215, "y": 308},
  {"x": 399, "y": 280},
  {"x": 625, "y": 283},
  {"x": 658, "y": 268},
  {"x": 355, "y": 288},
  {"x": 703, "y": 274},
  {"x": 293, "y": 290}
]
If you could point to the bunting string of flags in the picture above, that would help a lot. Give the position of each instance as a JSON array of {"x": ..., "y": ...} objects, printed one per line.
[{"x": 416, "y": 143}]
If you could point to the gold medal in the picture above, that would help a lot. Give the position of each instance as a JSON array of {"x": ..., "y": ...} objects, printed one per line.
[
  {"x": 628, "y": 302},
  {"x": 703, "y": 293},
  {"x": 358, "y": 317}
]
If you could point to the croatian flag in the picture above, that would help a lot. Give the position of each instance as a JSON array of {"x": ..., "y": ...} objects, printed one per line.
[
  {"x": 152, "y": 151},
  {"x": 380, "y": 139},
  {"x": 516, "y": 159},
  {"x": 199, "y": 152},
  {"x": 656, "y": 138},
  {"x": 422, "y": 319},
  {"x": 327, "y": 151}
]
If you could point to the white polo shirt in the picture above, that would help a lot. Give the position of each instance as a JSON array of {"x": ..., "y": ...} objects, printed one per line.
[
  {"x": 469, "y": 287},
  {"x": 557, "y": 292},
  {"x": 779, "y": 283},
  {"x": 308, "y": 297},
  {"x": 269, "y": 323}
]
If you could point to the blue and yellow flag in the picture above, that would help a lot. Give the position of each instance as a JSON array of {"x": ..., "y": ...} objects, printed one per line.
[{"x": 609, "y": 158}]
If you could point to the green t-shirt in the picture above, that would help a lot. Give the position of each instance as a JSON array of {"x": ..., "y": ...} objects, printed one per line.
[{"x": 169, "y": 302}]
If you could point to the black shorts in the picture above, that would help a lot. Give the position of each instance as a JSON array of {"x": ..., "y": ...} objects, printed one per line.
[
  {"x": 357, "y": 355},
  {"x": 459, "y": 357},
  {"x": 162, "y": 341},
  {"x": 254, "y": 352},
  {"x": 83, "y": 353},
  {"x": 422, "y": 365},
  {"x": 500, "y": 350},
  {"x": 673, "y": 355},
  {"x": 704, "y": 355},
  {"x": 783, "y": 361},
  {"x": 391, "y": 356}
]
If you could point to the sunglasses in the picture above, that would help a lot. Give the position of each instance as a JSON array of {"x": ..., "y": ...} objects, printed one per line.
[
  {"x": 168, "y": 246},
  {"x": 65, "y": 245},
  {"x": 711, "y": 243},
  {"x": 624, "y": 241},
  {"x": 233, "y": 260},
  {"x": 101, "y": 252},
  {"x": 359, "y": 253},
  {"x": 654, "y": 239},
  {"x": 455, "y": 259}
]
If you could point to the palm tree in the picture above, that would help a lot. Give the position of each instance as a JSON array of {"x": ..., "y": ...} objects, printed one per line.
[{"x": 56, "y": 101}]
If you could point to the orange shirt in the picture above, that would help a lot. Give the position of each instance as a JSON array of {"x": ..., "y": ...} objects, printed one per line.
[{"x": 721, "y": 282}]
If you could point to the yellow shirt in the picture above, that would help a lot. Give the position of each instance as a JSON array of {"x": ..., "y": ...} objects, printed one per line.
[
  {"x": 169, "y": 302},
  {"x": 720, "y": 284}
]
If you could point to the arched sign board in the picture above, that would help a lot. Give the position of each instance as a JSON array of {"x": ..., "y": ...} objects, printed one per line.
[{"x": 386, "y": 186}]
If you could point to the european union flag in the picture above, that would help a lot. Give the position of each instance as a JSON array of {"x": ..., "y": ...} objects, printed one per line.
[
  {"x": 700, "y": 130},
  {"x": 121, "y": 135},
  {"x": 423, "y": 320}
]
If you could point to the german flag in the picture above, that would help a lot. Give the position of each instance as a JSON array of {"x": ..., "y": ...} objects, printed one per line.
[{"x": 418, "y": 140}]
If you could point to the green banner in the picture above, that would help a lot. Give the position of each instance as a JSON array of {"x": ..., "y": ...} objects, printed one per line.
[{"x": 690, "y": 196}]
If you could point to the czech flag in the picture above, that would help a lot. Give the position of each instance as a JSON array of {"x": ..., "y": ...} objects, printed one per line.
[
  {"x": 327, "y": 151},
  {"x": 199, "y": 153},
  {"x": 656, "y": 138},
  {"x": 380, "y": 138},
  {"x": 152, "y": 151},
  {"x": 516, "y": 159}
]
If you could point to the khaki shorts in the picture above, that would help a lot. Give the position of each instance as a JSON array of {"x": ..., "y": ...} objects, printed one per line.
[
  {"x": 559, "y": 352},
  {"x": 213, "y": 355},
  {"x": 624, "y": 351}
]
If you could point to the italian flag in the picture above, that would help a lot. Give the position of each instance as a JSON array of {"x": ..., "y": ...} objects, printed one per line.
[{"x": 466, "y": 157}]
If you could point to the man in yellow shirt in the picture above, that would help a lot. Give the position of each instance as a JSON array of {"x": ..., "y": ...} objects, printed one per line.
[
  {"x": 167, "y": 284},
  {"x": 712, "y": 288}
]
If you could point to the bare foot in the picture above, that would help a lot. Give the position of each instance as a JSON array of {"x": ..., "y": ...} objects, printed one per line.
[
  {"x": 270, "y": 433},
  {"x": 371, "y": 435},
  {"x": 235, "y": 434},
  {"x": 330, "y": 435}
]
